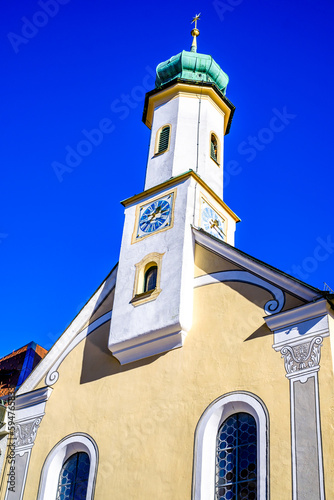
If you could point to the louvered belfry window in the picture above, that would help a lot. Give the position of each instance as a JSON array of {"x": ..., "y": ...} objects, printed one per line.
[
  {"x": 73, "y": 478},
  {"x": 236, "y": 458},
  {"x": 163, "y": 139}
]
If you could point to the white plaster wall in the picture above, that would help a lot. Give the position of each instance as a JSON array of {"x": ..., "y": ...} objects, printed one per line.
[
  {"x": 185, "y": 155},
  {"x": 212, "y": 120},
  {"x": 160, "y": 168},
  {"x": 172, "y": 310},
  {"x": 192, "y": 119},
  {"x": 183, "y": 113}
]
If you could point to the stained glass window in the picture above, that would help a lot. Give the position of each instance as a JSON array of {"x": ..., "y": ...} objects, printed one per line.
[
  {"x": 73, "y": 478},
  {"x": 236, "y": 467}
]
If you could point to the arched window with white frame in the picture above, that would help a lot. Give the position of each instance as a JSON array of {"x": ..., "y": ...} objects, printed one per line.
[
  {"x": 69, "y": 471},
  {"x": 231, "y": 449}
]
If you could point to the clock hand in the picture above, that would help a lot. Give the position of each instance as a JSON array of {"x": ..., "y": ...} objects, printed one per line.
[
  {"x": 156, "y": 212},
  {"x": 215, "y": 225}
]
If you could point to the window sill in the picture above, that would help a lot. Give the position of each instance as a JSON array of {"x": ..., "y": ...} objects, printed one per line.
[
  {"x": 216, "y": 162},
  {"x": 161, "y": 153},
  {"x": 142, "y": 298}
]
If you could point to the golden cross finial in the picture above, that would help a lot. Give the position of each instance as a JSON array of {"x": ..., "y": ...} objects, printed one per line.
[
  {"x": 196, "y": 18},
  {"x": 195, "y": 33}
]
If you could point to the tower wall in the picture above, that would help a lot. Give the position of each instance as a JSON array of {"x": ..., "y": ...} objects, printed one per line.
[{"x": 192, "y": 118}]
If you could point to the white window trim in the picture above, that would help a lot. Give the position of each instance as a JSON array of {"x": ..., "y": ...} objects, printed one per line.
[
  {"x": 57, "y": 457},
  {"x": 204, "y": 471}
]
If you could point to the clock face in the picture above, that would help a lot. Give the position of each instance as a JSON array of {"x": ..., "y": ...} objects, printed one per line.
[
  {"x": 212, "y": 222},
  {"x": 155, "y": 216}
]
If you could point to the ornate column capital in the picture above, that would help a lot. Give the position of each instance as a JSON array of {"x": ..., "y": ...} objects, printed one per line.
[
  {"x": 298, "y": 336},
  {"x": 303, "y": 358},
  {"x": 25, "y": 433}
]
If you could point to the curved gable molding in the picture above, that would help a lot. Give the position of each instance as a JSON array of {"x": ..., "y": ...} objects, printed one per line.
[
  {"x": 272, "y": 306},
  {"x": 204, "y": 470},
  {"x": 53, "y": 375},
  {"x": 77, "y": 442},
  {"x": 268, "y": 273},
  {"x": 69, "y": 334}
]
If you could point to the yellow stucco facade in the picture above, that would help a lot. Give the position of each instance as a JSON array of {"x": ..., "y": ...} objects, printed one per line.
[{"x": 143, "y": 415}]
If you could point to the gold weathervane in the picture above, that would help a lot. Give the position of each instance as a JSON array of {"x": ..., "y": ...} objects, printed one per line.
[{"x": 195, "y": 33}]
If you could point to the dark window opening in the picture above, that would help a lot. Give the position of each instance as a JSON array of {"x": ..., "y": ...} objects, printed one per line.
[
  {"x": 73, "y": 478},
  {"x": 150, "y": 279},
  {"x": 163, "y": 139},
  {"x": 214, "y": 148},
  {"x": 236, "y": 458}
]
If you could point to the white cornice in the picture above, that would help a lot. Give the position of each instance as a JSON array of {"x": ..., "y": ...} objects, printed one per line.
[
  {"x": 177, "y": 180},
  {"x": 297, "y": 315},
  {"x": 32, "y": 398},
  {"x": 69, "y": 334},
  {"x": 148, "y": 345},
  {"x": 257, "y": 268},
  {"x": 153, "y": 100}
]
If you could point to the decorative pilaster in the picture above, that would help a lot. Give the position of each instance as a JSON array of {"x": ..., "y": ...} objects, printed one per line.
[
  {"x": 298, "y": 336},
  {"x": 24, "y": 415}
]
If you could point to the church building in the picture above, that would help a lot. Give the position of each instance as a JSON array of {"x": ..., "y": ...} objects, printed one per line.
[{"x": 195, "y": 371}]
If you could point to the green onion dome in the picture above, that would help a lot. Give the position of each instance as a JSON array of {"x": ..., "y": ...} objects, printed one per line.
[{"x": 191, "y": 66}]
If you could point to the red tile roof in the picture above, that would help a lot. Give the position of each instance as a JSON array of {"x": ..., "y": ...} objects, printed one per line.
[{"x": 15, "y": 367}]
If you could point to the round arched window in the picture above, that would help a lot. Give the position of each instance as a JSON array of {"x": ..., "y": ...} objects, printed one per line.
[
  {"x": 236, "y": 459},
  {"x": 163, "y": 139},
  {"x": 150, "y": 278},
  {"x": 214, "y": 148},
  {"x": 73, "y": 478}
]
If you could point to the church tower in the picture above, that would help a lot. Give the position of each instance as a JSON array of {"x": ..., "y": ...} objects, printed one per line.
[
  {"x": 244, "y": 408},
  {"x": 189, "y": 116}
]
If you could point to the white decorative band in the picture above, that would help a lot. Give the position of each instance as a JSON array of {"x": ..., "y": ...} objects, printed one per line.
[
  {"x": 272, "y": 306},
  {"x": 53, "y": 375}
]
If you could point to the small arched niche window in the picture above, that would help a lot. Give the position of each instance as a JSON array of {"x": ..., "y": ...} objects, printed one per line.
[
  {"x": 73, "y": 478},
  {"x": 162, "y": 140},
  {"x": 150, "y": 278},
  {"x": 214, "y": 148},
  {"x": 147, "y": 279},
  {"x": 236, "y": 458}
]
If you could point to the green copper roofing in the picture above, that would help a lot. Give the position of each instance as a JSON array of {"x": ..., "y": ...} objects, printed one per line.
[{"x": 192, "y": 66}]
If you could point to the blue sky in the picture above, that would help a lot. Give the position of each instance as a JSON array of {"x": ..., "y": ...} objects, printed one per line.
[{"x": 71, "y": 66}]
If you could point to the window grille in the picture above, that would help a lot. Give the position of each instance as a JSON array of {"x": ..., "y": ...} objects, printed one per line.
[
  {"x": 73, "y": 478},
  {"x": 150, "y": 280},
  {"x": 236, "y": 458},
  {"x": 163, "y": 139},
  {"x": 214, "y": 148}
]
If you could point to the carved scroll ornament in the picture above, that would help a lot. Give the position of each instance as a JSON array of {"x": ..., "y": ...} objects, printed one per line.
[{"x": 302, "y": 356}]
